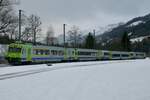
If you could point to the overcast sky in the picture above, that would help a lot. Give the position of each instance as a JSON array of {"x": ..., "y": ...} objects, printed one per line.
[{"x": 87, "y": 14}]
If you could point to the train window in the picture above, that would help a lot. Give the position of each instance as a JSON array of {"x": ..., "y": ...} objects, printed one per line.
[
  {"x": 54, "y": 52},
  {"x": 61, "y": 53},
  {"x": 18, "y": 49},
  {"x": 139, "y": 54},
  {"x": 106, "y": 53},
  {"x": 38, "y": 52},
  {"x": 41, "y": 52},
  {"x": 84, "y": 53},
  {"x": 131, "y": 54},
  {"x": 115, "y": 55},
  {"x": 34, "y": 51},
  {"x": 125, "y": 55},
  {"x": 93, "y": 54},
  {"x": 12, "y": 49},
  {"x": 47, "y": 52}
]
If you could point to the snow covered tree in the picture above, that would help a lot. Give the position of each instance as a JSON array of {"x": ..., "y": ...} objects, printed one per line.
[{"x": 50, "y": 36}]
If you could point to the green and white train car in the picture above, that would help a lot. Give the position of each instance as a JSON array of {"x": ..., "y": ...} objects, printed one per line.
[{"x": 28, "y": 53}]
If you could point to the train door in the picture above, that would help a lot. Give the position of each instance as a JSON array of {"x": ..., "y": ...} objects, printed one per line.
[
  {"x": 65, "y": 54},
  {"x": 99, "y": 55},
  {"x": 76, "y": 54},
  {"x": 29, "y": 56}
]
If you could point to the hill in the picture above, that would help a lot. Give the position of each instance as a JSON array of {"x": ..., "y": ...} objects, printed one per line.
[{"x": 137, "y": 27}]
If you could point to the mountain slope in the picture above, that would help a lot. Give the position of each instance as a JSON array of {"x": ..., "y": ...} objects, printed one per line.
[{"x": 137, "y": 27}]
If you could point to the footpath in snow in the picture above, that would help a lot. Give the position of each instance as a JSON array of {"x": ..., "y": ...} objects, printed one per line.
[{"x": 105, "y": 80}]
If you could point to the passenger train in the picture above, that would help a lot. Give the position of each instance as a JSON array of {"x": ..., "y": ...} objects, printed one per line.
[{"x": 27, "y": 53}]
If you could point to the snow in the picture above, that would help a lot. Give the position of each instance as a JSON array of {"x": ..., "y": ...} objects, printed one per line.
[
  {"x": 135, "y": 23},
  {"x": 104, "y": 80},
  {"x": 139, "y": 39},
  {"x": 14, "y": 69}
]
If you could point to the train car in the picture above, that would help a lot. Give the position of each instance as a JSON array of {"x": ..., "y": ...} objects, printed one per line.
[
  {"x": 87, "y": 54},
  {"x": 18, "y": 53},
  {"x": 27, "y": 53},
  {"x": 46, "y": 54}
]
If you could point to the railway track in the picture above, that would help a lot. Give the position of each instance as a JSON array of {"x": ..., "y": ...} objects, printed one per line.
[
  {"x": 52, "y": 68},
  {"x": 5, "y": 65}
]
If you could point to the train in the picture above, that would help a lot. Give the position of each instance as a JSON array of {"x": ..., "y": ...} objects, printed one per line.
[{"x": 27, "y": 53}]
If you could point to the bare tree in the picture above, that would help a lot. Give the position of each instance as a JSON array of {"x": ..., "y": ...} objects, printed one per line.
[
  {"x": 27, "y": 34},
  {"x": 13, "y": 30},
  {"x": 74, "y": 36},
  {"x": 5, "y": 3},
  {"x": 7, "y": 17},
  {"x": 33, "y": 28}
]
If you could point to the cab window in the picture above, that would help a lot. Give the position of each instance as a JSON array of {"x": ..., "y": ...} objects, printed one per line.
[{"x": 12, "y": 49}]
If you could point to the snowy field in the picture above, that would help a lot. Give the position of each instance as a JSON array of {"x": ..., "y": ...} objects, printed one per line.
[{"x": 104, "y": 80}]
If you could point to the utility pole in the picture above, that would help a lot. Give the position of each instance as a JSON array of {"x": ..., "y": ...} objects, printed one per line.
[
  {"x": 75, "y": 45},
  {"x": 20, "y": 25},
  {"x": 94, "y": 33},
  {"x": 64, "y": 31},
  {"x": 94, "y": 39}
]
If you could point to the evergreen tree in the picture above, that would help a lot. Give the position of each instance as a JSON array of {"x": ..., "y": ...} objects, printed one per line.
[
  {"x": 126, "y": 44},
  {"x": 90, "y": 41}
]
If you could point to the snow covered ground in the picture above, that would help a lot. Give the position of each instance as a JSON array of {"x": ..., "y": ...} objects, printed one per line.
[{"x": 105, "y": 80}]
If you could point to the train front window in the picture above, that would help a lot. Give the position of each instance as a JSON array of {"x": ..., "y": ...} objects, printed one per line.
[{"x": 12, "y": 49}]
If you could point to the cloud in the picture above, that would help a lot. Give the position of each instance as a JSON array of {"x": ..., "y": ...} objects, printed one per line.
[{"x": 83, "y": 12}]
